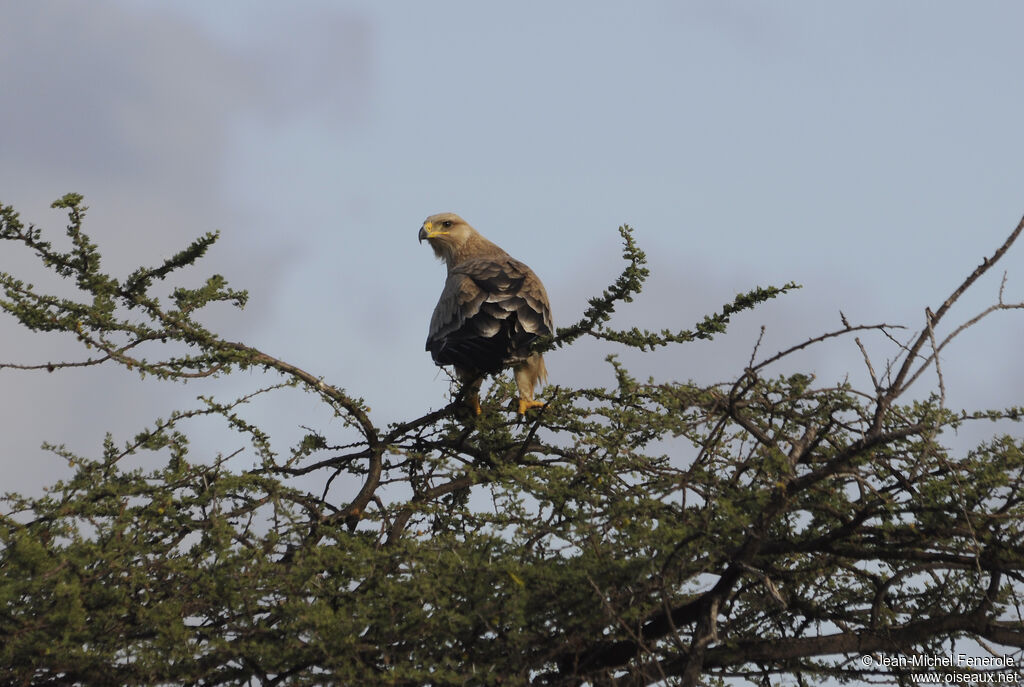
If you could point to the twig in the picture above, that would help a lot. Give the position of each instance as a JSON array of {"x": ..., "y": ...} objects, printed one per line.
[
  {"x": 867, "y": 361},
  {"x": 818, "y": 339},
  {"x": 757, "y": 345},
  {"x": 928, "y": 317}
]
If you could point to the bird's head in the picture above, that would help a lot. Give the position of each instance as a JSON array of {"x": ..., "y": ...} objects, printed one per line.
[{"x": 447, "y": 234}]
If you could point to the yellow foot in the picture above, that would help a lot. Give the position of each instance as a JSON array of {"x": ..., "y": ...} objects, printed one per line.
[
  {"x": 525, "y": 405},
  {"x": 475, "y": 404}
]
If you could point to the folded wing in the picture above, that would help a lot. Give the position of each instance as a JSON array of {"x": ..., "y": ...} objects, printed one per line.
[{"x": 489, "y": 312}]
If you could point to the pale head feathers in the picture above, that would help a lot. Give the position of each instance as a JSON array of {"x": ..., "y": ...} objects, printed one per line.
[{"x": 453, "y": 240}]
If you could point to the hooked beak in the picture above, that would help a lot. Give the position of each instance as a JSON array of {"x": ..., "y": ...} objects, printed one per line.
[{"x": 427, "y": 231}]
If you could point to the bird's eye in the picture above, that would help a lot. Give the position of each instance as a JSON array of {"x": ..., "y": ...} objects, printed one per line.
[{"x": 447, "y": 223}]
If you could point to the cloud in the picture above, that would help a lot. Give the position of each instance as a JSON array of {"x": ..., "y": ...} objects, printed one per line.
[{"x": 135, "y": 107}]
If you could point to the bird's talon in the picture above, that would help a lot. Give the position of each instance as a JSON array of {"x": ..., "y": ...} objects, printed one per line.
[{"x": 525, "y": 405}]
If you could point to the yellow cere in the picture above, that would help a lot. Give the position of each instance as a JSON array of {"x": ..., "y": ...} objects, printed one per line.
[{"x": 432, "y": 231}]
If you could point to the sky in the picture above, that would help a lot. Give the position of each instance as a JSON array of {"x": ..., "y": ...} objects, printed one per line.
[{"x": 868, "y": 151}]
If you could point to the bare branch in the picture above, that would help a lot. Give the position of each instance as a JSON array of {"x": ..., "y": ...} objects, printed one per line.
[
  {"x": 818, "y": 339},
  {"x": 898, "y": 386}
]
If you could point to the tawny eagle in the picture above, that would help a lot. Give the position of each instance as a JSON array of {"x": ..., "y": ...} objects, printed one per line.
[{"x": 490, "y": 311}]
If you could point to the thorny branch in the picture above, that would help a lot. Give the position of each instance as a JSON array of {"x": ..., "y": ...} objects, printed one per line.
[{"x": 721, "y": 527}]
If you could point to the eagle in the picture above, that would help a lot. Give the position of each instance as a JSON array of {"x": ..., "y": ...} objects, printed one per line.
[{"x": 492, "y": 308}]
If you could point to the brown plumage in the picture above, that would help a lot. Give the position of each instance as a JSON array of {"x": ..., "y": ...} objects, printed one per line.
[{"x": 490, "y": 311}]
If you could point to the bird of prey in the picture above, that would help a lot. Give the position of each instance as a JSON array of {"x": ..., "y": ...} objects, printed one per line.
[{"x": 490, "y": 311}]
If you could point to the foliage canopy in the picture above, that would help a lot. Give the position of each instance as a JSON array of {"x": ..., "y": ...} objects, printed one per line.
[{"x": 651, "y": 532}]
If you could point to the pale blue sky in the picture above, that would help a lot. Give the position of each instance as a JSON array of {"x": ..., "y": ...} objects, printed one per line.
[{"x": 870, "y": 151}]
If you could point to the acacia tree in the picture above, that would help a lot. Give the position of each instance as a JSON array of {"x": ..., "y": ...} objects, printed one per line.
[{"x": 651, "y": 532}]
